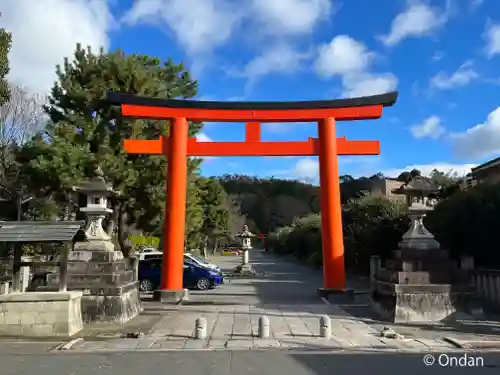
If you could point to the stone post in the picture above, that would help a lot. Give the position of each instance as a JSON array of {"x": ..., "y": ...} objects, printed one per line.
[
  {"x": 325, "y": 327},
  {"x": 25, "y": 278},
  {"x": 200, "y": 329},
  {"x": 264, "y": 328}
]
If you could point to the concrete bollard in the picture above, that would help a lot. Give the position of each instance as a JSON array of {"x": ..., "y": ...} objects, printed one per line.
[
  {"x": 325, "y": 327},
  {"x": 5, "y": 288},
  {"x": 200, "y": 329},
  {"x": 264, "y": 329}
]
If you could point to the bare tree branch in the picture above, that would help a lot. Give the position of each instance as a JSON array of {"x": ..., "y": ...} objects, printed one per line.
[{"x": 20, "y": 117}]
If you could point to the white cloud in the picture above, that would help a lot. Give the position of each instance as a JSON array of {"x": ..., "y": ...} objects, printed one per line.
[
  {"x": 351, "y": 61},
  {"x": 417, "y": 20},
  {"x": 438, "y": 56},
  {"x": 202, "y": 137},
  {"x": 482, "y": 140},
  {"x": 281, "y": 58},
  {"x": 290, "y": 17},
  {"x": 492, "y": 37},
  {"x": 476, "y": 3},
  {"x": 426, "y": 169},
  {"x": 202, "y": 26},
  {"x": 285, "y": 127},
  {"x": 369, "y": 84},
  {"x": 463, "y": 76},
  {"x": 431, "y": 127},
  {"x": 343, "y": 56},
  {"x": 306, "y": 169},
  {"x": 46, "y": 31},
  {"x": 199, "y": 26}
]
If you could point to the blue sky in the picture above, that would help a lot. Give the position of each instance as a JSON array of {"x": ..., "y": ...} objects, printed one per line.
[{"x": 443, "y": 57}]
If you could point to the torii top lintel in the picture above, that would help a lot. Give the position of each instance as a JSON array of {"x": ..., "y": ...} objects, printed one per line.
[
  {"x": 361, "y": 108},
  {"x": 253, "y": 113}
]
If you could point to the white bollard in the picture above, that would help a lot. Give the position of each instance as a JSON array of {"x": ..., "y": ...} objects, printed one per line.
[
  {"x": 5, "y": 287},
  {"x": 200, "y": 329},
  {"x": 25, "y": 278},
  {"x": 264, "y": 329},
  {"x": 325, "y": 327}
]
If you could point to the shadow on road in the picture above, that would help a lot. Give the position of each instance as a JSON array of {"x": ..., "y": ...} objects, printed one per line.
[{"x": 289, "y": 286}]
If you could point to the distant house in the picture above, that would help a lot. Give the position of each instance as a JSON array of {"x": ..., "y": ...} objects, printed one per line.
[
  {"x": 486, "y": 173},
  {"x": 467, "y": 182},
  {"x": 385, "y": 186}
]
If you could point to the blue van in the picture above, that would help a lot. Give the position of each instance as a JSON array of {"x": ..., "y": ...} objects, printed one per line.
[{"x": 195, "y": 277}]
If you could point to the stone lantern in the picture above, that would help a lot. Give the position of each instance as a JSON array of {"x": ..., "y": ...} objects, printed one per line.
[
  {"x": 246, "y": 244},
  {"x": 420, "y": 284},
  {"x": 110, "y": 290},
  {"x": 97, "y": 192},
  {"x": 420, "y": 193}
]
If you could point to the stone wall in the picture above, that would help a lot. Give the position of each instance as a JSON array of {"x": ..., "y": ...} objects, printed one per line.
[
  {"x": 36, "y": 314},
  {"x": 488, "y": 289}
]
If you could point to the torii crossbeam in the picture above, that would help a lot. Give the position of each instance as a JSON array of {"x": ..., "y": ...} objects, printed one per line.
[{"x": 178, "y": 147}]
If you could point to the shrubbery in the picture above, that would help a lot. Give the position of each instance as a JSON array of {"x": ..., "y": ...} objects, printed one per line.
[
  {"x": 140, "y": 241},
  {"x": 468, "y": 223},
  {"x": 465, "y": 223}
]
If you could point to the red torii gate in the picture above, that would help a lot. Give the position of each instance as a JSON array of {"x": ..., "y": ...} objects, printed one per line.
[{"x": 178, "y": 147}]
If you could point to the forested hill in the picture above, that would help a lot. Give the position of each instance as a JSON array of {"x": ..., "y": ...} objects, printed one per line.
[{"x": 271, "y": 203}]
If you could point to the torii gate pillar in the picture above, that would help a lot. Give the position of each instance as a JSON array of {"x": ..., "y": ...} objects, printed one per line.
[{"x": 331, "y": 215}]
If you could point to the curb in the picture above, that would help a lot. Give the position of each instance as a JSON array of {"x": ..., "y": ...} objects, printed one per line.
[
  {"x": 280, "y": 349},
  {"x": 473, "y": 344}
]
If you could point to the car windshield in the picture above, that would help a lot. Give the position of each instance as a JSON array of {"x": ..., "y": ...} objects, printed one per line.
[{"x": 201, "y": 260}]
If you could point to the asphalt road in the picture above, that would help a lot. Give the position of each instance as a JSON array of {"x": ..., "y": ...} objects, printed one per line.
[{"x": 237, "y": 362}]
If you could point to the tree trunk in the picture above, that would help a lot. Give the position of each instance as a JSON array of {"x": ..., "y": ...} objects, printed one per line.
[
  {"x": 216, "y": 244},
  {"x": 205, "y": 247},
  {"x": 122, "y": 228},
  {"x": 112, "y": 219}
]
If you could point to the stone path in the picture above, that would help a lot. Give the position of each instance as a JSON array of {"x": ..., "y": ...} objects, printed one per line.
[{"x": 285, "y": 294}]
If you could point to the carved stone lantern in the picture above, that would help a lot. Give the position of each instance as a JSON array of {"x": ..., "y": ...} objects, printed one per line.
[
  {"x": 420, "y": 283},
  {"x": 246, "y": 245},
  {"x": 420, "y": 193},
  {"x": 97, "y": 192}
]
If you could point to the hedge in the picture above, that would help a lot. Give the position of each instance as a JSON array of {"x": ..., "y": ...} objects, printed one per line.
[{"x": 465, "y": 223}]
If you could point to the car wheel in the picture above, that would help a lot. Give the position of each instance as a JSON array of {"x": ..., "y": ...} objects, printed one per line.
[
  {"x": 203, "y": 284},
  {"x": 146, "y": 286}
]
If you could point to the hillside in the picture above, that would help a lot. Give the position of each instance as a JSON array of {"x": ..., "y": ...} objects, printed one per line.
[{"x": 271, "y": 203}]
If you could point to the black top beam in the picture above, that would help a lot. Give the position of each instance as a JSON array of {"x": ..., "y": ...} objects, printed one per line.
[{"x": 386, "y": 100}]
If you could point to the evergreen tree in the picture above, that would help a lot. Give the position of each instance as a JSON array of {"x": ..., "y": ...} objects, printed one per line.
[
  {"x": 84, "y": 131},
  {"x": 215, "y": 211},
  {"x": 5, "y": 42}
]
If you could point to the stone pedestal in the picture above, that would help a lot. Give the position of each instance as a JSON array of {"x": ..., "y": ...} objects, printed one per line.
[
  {"x": 110, "y": 292},
  {"x": 420, "y": 286},
  {"x": 245, "y": 270},
  {"x": 171, "y": 296}
]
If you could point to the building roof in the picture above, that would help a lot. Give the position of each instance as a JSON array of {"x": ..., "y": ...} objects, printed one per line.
[
  {"x": 488, "y": 164},
  {"x": 39, "y": 231},
  {"x": 96, "y": 185}
]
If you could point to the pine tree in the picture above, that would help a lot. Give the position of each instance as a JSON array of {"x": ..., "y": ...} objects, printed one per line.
[
  {"x": 5, "y": 42},
  {"x": 84, "y": 131}
]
